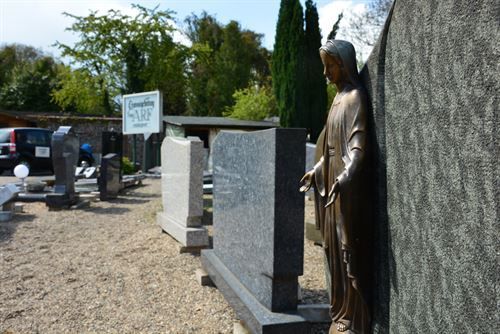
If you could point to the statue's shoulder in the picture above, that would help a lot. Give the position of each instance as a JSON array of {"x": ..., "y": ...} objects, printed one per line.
[{"x": 356, "y": 95}]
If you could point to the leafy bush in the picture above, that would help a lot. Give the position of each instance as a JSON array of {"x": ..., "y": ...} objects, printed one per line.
[
  {"x": 127, "y": 166},
  {"x": 252, "y": 104}
]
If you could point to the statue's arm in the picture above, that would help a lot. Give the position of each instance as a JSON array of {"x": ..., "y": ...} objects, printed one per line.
[
  {"x": 356, "y": 139},
  {"x": 314, "y": 177}
]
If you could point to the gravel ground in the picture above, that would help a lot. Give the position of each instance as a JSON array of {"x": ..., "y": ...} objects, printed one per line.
[{"x": 108, "y": 268}]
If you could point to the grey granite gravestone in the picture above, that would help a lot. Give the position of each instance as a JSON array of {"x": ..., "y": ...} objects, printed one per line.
[
  {"x": 109, "y": 182},
  {"x": 432, "y": 80},
  {"x": 8, "y": 192},
  {"x": 65, "y": 148},
  {"x": 258, "y": 217},
  {"x": 182, "y": 191}
]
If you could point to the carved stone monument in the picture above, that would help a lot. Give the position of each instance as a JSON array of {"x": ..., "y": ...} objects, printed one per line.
[
  {"x": 109, "y": 178},
  {"x": 65, "y": 148},
  {"x": 182, "y": 191},
  {"x": 432, "y": 83},
  {"x": 259, "y": 227}
]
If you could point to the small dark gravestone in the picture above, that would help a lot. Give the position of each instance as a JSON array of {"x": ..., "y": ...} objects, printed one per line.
[
  {"x": 259, "y": 226},
  {"x": 109, "y": 179},
  {"x": 65, "y": 148},
  {"x": 112, "y": 142}
]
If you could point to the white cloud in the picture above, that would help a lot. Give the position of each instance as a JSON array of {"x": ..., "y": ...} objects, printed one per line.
[{"x": 328, "y": 15}]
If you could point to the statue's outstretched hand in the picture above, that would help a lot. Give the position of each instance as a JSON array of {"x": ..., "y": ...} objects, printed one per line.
[
  {"x": 332, "y": 195},
  {"x": 306, "y": 181}
]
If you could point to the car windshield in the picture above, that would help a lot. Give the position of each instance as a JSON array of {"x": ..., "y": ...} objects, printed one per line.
[{"x": 5, "y": 136}]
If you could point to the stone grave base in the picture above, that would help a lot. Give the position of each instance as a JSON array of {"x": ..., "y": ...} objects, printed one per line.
[
  {"x": 256, "y": 317},
  {"x": 60, "y": 201},
  {"x": 191, "y": 238}
]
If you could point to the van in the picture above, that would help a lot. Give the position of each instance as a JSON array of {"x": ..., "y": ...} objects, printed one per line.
[{"x": 28, "y": 146}]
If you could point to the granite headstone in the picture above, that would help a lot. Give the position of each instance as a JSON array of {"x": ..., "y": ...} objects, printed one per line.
[
  {"x": 109, "y": 178},
  {"x": 432, "y": 79},
  {"x": 182, "y": 191},
  {"x": 8, "y": 192},
  {"x": 112, "y": 142},
  {"x": 65, "y": 148},
  {"x": 258, "y": 217}
]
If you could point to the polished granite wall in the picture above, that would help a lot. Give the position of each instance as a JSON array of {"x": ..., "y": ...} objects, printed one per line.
[{"x": 433, "y": 83}]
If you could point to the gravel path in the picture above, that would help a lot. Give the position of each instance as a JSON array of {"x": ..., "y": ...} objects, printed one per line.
[{"x": 108, "y": 268}]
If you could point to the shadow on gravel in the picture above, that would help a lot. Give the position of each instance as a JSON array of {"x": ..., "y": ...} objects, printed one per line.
[
  {"x": 107, "y": 211},
  {"x": 126, "y": 200},
  {"x": 7, "y": 229},
  {"x": 140, "y": 195}
]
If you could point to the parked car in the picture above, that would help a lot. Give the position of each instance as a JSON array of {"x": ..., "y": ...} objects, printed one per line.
[
  {"x": 32, "y": 147},
  {"x": 28, "y": 146}
]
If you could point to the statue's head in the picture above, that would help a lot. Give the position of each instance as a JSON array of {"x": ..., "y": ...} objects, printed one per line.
[{"x": 344, "y": 54}]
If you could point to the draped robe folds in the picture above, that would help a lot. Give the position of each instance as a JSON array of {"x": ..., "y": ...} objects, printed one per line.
[{"x": 344, "y": 151}]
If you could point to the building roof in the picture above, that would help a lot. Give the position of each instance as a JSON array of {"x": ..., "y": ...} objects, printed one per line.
[
  {"x": 217, "y": 122},
  {"x": 28, "y": 115}
]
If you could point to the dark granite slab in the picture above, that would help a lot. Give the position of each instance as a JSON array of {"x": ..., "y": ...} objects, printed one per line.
[
  {"x": 432, "y": 80},
  {"x": 109, "y": 181},
  {"x": 112, "y": 142},
  {"x": 65, "y": 148}
]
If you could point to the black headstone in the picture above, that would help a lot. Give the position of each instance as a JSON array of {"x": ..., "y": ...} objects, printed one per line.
[
  {"x": 112, "y": 142},
  {"x": 65, "y": 149},
  {"x": 109, "y": 177}
]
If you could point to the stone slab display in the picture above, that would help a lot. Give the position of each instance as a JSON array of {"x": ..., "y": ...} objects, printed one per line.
[
  {"x": 109, "y": 179},
  {"x": 182, "y": 191},
  {"x": 432, "y": 80},
  {"x": 258, "y": 216},
  {"x": 65, "y": 149},
  {"x": 8, "y": 192}
]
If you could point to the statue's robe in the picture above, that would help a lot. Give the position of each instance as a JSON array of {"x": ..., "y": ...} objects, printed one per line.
[{"x": 342, "y": 223}]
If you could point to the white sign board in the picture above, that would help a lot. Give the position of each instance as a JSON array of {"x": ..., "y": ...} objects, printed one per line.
[
  {"x": 142, "y": 113},
  {"x": 42, "y": 152}
]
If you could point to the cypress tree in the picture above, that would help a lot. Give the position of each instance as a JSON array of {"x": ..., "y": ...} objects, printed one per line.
[
  {"x": 288, "y": 64},
  {"x": 315, "y": 92}
]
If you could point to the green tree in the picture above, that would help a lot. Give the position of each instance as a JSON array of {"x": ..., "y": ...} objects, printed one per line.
[
  {"x": 288, "y": 64},
  {"x": 253, "y": 103},
  {"x": 126, "y": 54},
  {"x": 232, "y": 59},
  {"x": 27, "y": 79},
  {"x": 315, "y": 93},
  {"x": 79, "y": 92}
]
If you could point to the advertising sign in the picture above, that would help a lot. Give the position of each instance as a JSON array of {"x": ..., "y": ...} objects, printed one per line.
[{"x": 142, "y": 113}]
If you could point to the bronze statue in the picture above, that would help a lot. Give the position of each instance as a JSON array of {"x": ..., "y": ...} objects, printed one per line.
[{"x": 338, "y": 179}]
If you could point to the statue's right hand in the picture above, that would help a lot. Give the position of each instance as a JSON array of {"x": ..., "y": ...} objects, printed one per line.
[{"x": 306, "y": 181}]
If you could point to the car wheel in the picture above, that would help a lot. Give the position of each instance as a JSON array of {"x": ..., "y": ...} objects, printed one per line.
[{"x": 84, "y": 163}]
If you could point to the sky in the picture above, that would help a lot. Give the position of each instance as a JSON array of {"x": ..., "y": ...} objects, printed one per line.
[{"x": 40, "y": 23}]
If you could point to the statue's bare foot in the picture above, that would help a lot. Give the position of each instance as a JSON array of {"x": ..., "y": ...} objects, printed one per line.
[{"x": 343, "y": 325}]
